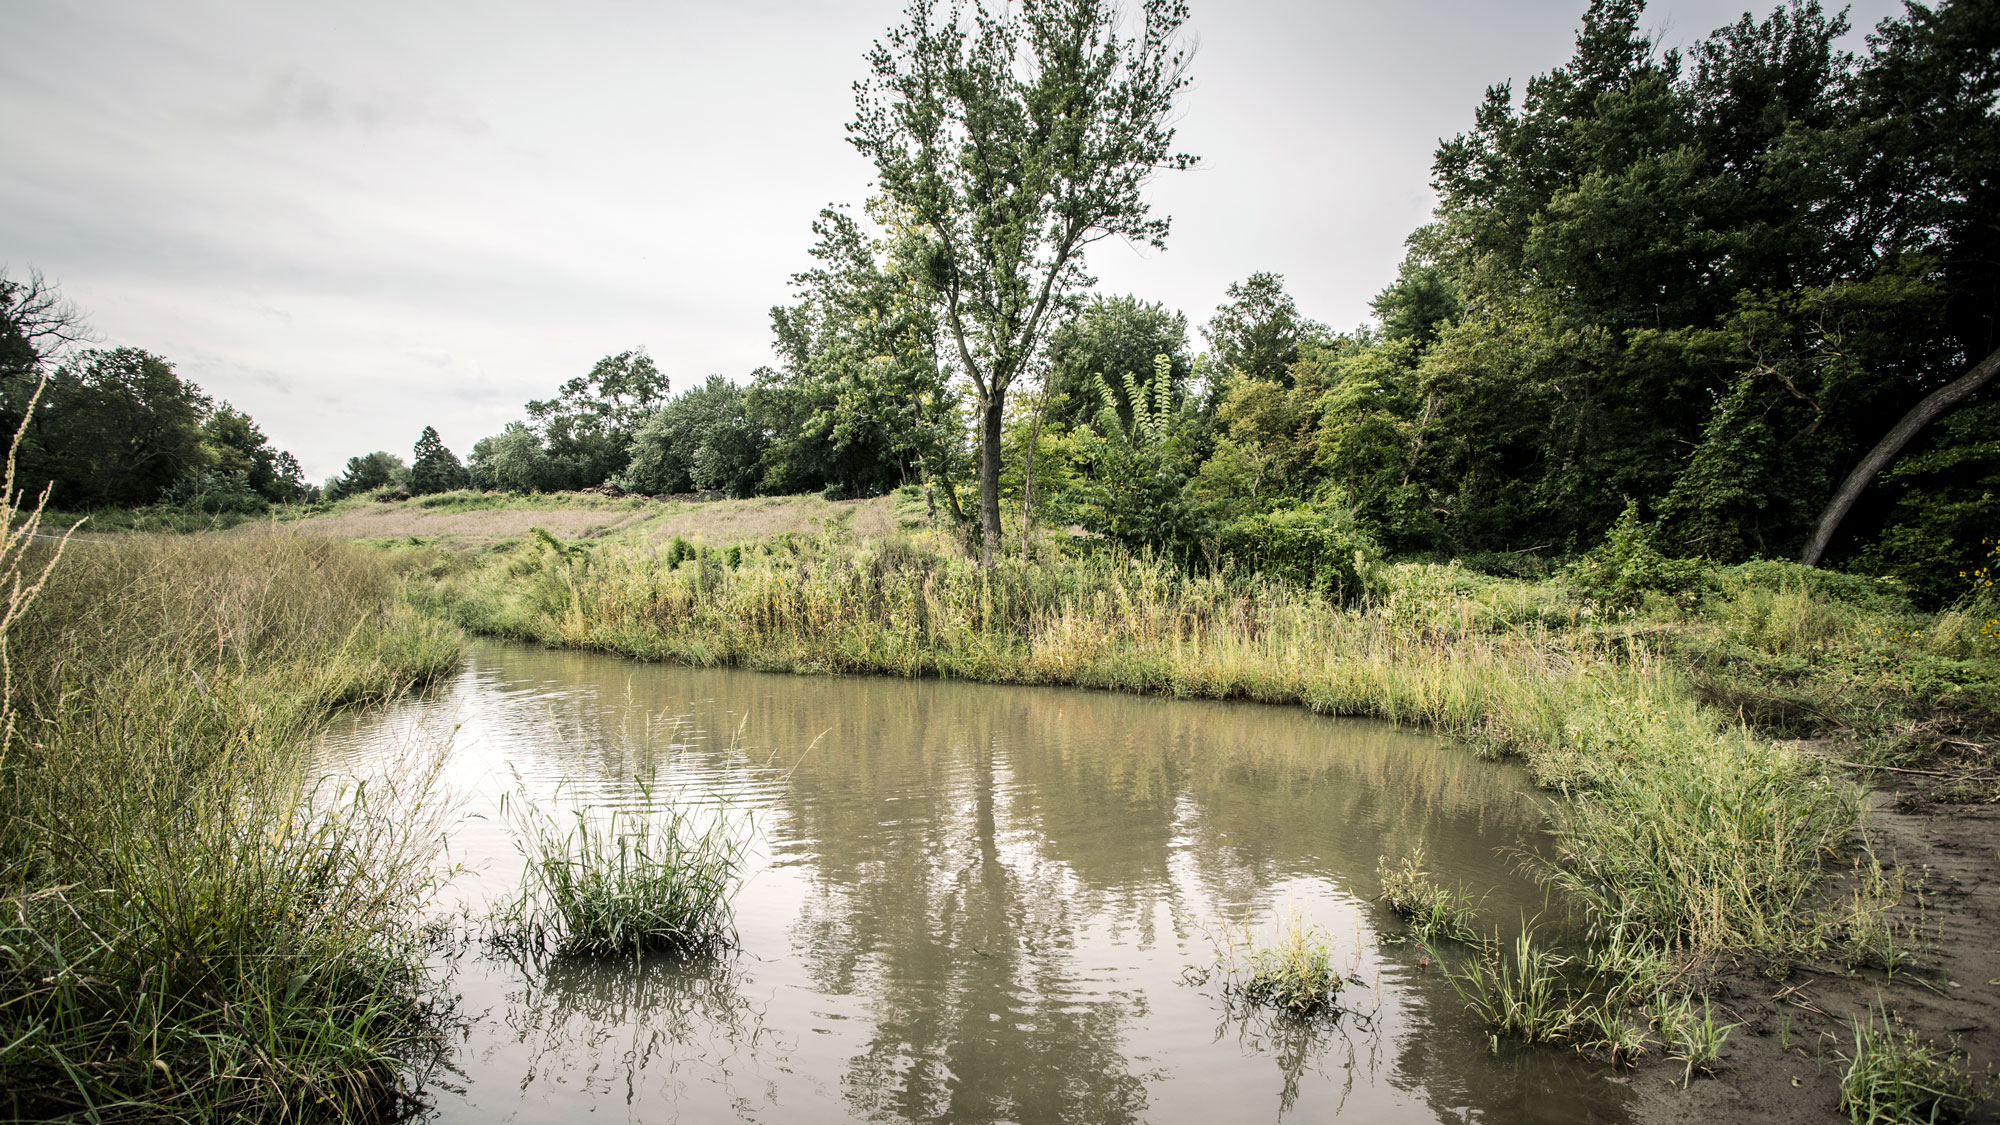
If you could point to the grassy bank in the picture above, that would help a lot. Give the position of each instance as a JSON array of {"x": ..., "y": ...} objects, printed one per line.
[
  {"x": 1686, "y": 832},
  {"x": 193, "y": 926}
]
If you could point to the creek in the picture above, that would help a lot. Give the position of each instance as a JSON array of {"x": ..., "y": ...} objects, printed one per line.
[{"x": 968, "y": 902}]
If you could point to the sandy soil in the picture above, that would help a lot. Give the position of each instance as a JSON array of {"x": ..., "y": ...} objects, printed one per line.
[{"x": 1952, "y": 856}]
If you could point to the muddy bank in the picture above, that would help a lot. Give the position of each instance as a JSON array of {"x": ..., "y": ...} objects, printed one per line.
[{"x": 1784, "y": 1064}]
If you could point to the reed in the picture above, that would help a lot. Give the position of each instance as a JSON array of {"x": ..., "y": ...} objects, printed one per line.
[{"x": 195, "y": 925}]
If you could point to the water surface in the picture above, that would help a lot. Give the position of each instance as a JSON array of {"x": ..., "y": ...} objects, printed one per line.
[{"x": 977, "y": 903}]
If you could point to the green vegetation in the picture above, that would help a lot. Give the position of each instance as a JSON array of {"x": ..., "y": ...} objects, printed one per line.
[
  {"x": 1653, "y": 339},
  {"x": 654, "y": 876},
  {"x": 196, "y": 925},
  {"x": 1688, "y": 1038},
  {"x": 1524, "y": 995},
  {"x": 1297, "y": 975},
  {"x": 1894, "y": 1077},
  {"x": 1681, "y": 836},
  {"x": 1434, "y": 912}
]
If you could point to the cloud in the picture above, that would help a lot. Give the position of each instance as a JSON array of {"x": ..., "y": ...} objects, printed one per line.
[{"x": 296, "y": 99}]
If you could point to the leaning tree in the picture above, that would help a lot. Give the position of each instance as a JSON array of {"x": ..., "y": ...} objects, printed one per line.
[{"x": 1013, "y": 140}]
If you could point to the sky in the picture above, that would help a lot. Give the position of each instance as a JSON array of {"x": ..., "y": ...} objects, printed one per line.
[{"x": 355, "y": 220}]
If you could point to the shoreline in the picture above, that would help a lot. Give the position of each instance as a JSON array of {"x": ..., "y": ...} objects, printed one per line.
[{"x": 577, "y": 610}]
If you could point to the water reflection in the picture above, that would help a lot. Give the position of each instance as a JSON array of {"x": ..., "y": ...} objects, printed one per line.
[{"x": 973, "y": 903}]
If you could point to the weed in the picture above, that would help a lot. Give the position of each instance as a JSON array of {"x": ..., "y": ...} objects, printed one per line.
[
  {"x": 1432, "y": 911},
  {"x": 1615, "y": 1034},
  {"x": 1525, "y": 996},
  {"x": 1686, "y": 1037},
  {"x": 1861, "y": 927},
  {"x": 1296, "y": 975},
  {"x": 1894, "y": 1077}
]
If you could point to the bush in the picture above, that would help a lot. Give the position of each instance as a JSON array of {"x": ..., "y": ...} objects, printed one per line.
[
  {"x": 1317, "y": 547},
  {"x": 1626, "y": 567}
]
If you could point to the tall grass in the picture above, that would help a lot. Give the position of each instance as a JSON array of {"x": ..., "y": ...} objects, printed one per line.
[
  {"x": 195, "y": 926},
  {"x": 1525, "y": 995},
  {"x": 1432, "y": 910},
  {"x": 1679, "y": 821}
]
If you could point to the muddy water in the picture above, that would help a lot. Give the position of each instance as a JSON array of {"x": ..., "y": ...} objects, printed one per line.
[{"x": 977, "y": 903}]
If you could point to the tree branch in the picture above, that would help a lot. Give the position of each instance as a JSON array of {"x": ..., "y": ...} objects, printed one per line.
[{"x": 1885, "y": 451}]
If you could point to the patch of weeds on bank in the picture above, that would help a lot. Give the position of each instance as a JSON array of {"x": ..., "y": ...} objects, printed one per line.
[
  {"x": 1520, "y": 991},
  {"x": 1893, "y": 1076},
  {"x": 1688, "y": 1037}
]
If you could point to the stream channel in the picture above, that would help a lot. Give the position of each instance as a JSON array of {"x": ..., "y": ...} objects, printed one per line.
[{"x": 968, "y": 902}]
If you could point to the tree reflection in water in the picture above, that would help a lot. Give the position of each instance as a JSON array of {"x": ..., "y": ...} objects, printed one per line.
[{"x": 975, "y": 903}]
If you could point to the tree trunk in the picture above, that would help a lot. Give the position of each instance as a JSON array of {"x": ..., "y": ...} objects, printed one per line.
[
  {"x": 1885, "y": 451},
  {"x": 1028, "y": 478},
  {"x": 989, "y": 477}
]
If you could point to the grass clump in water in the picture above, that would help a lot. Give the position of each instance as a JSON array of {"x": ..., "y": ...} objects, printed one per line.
[
  {"x": 1894, "y": 1077},
  {"x": 1433, "y": 911},
  {"x": 1526, "y": 996},
  {"x": 1297, "y": 974},
  {"x": 658, "y": 876}
]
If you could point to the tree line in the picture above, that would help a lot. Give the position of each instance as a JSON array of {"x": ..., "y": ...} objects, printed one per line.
[
  {"x": 117, "y": 427},
  {"x": 1735, "y": 301}
]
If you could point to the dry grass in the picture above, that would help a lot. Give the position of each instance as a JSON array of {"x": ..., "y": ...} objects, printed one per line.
[
  {"x": 722, "y": 522},
  {"x": 472, "y": 519},
  {"x": 479, "y": 526}
]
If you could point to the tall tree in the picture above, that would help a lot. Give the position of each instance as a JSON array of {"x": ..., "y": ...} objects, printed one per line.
[
  {"x": 588, "y": 427},
  {"x": 861, "y": 402},
  {"x": 434, "y": 468},
  {"x": 36, "y": 325},
  {"x": 1258, "y": 331},
  {"x": 1012, "y": 144},
  {"x": 1923, "y": 154},
  {"x": 1113, "y": 337},
  {"x": 701, "y": 439},
  {"x": 368, "y": 472},
  {"x": 512, "y": 460},
  {"x": 114, "y": 427}
]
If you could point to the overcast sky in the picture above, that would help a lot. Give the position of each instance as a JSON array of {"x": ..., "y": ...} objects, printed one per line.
[{"x": 353, "y": 220}]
